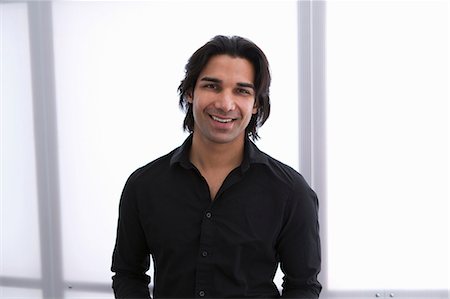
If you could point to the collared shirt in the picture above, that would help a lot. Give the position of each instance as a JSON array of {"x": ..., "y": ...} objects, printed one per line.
[{"x": 263, "y": 214}]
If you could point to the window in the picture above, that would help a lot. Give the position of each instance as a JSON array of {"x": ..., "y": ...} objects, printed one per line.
[
  {"x": 18, "y": 205},
  {"x": 97, "y": 98},
  {"x": 113, "y": 80},
  {"x": 387, "y": 147}
]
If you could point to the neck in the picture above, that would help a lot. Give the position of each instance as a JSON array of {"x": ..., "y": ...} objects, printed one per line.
[{"x": 207, "y": 155}]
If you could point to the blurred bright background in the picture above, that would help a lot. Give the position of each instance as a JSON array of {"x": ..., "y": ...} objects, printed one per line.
[{"x": 360, "y": 107}]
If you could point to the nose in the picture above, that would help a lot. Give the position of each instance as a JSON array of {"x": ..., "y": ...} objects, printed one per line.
[{"x": 225, "y": 101}]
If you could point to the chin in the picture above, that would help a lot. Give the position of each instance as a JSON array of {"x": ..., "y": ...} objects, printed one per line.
[{"x": 223, "y": 138}]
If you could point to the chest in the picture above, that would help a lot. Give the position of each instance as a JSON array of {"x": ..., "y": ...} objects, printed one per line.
[
  {"x": 214, "y": 182},
  {"x": 242, "y": 213},
  {"x": 215, "y": 178}
]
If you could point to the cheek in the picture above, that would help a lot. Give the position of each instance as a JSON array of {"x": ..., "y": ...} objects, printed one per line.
[{"x": 197, "y": 107}]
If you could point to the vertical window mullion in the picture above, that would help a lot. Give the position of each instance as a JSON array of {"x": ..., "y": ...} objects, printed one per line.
[{"x": 45, "y": 127}]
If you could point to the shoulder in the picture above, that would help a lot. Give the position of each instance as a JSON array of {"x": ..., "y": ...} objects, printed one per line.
[
  {"x": 301, "y": 200},
  {"x": 299, "y": 192},
  {"x": 153, "y": 169},
  {"x": 269, "y": 168},
  {"x": 283, "y": 173}
]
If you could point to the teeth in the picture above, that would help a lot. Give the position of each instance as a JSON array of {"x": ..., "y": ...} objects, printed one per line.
[{"x": 221, "y": 119}]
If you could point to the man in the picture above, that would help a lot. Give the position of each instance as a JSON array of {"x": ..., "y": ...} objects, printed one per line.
[{"x": 217, "y": 215}]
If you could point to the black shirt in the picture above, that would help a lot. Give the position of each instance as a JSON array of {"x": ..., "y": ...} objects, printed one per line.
[{"x": 263, "y": 214}]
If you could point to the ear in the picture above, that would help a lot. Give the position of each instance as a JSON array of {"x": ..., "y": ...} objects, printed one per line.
[
  {"x": 255, "y": 108},
  {"x": 189, "y": 97}
]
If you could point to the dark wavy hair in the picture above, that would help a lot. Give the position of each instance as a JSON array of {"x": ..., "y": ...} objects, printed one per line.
[{"x": 235, "y": 46}]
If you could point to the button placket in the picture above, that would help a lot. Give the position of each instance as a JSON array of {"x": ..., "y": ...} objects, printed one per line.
[
  {"x": 208, "y": 215},
  {"x": 204, "y": 278}
]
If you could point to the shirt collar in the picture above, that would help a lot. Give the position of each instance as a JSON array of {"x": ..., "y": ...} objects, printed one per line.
[
  {"x": 181, "y": 154},
  {"x": 252, "y": 155}
]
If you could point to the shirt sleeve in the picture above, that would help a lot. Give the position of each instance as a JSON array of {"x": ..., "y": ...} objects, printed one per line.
[
  {"x": 131, "y": 259},
  {"x": 299, "y": 245}
]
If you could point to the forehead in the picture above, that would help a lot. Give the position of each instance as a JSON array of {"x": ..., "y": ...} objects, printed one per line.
[{"x": 227, "y": 67}]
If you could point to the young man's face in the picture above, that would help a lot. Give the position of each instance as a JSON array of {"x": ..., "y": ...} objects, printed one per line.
[{"x": 223, "y": 99}]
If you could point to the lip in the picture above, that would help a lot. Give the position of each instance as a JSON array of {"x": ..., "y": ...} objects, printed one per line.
[
  {"x": 226, "y": 123},
  {"x": 222, "y": 119}
]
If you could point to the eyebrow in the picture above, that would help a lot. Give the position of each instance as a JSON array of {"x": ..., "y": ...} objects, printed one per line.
[
  {"x": 215, "y": 80},
  {"x": 249, "y": 85}
]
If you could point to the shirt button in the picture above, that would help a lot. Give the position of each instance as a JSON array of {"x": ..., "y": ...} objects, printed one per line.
[
  {"x": 208, "y": 215},
  {"x": 204, "y": 253},
  {"x": 201, "y": 293}
]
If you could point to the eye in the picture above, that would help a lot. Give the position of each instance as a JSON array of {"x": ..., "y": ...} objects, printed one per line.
[
  {"x": 244, "y": 91},
  {"x": 210, "y": 86}
]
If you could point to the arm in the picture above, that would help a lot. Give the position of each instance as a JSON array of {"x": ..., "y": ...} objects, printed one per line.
[
  {"x": 131, "y": 258},
  {"x": 299, "y": 245}
]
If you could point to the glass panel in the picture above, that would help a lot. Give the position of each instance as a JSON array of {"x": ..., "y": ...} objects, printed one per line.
[
  {"x": 387, "y": 144},
  {"x": 118, "y": 66},
  {"x": 19, "y": 293},
  {"x": 19, "y": 226},
  {"x": 72, "y": 294}
]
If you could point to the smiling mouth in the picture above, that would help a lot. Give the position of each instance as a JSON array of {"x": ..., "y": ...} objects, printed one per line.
[{"x": 222, "y": 120}]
